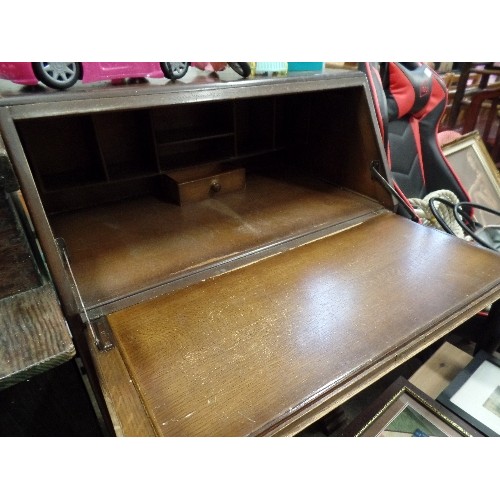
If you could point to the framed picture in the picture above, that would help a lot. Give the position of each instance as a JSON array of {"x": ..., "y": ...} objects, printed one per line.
[
  {"x": 478, "y": 173},
  {"x": 474, "y": 394},
  {"x": 403, "y": 410}
]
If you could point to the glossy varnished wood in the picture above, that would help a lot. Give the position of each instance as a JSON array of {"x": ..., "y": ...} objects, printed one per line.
[
  {"x": 339, "y": 98},
  {"x": 254, "y": 350},
  {"x": 258, "y": 312},
  {"x": 118, "y": 250}
]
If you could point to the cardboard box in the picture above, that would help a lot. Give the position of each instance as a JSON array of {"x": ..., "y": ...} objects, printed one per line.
[{"x": 440, "y": 369}]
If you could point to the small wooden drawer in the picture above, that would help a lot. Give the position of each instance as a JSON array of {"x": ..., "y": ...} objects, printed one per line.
[{"x": 203, "y": 181}]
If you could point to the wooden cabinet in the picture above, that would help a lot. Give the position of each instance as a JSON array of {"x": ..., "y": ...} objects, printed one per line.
[
  {"x": 34, "y": 336},
  {"x": 251, "y": 310}
]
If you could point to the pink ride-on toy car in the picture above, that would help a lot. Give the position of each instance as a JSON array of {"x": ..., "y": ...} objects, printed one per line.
[{"x": 63, "y": 75}]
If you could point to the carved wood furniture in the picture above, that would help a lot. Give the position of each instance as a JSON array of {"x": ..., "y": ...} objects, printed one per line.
[
  {"x": 485, "y": 70},
  {"x": 265, "y": 299},
  {"x": 484, "y": 107},
  {"x": 34, "y": 336}
]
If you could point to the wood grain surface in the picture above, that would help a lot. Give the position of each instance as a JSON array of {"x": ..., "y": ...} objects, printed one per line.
[
  {"x": 126, "y": 410},
  {"x": 34, "y": 335},
  {"x": 249, "y": 350},
  {"x": 18, "y": 271},
  {"x": 120, "y": 249}
]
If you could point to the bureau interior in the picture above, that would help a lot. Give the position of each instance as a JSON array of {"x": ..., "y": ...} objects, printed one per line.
[{"x": 101, "y": 176}]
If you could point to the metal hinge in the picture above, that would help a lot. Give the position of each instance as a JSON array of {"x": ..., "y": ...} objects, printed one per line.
[
  {"x": 98, "y": 328},
  {"x": 103, "y": 333}
]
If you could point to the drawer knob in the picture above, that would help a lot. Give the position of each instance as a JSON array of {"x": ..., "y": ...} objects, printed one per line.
[{"x": 215, "y": 186}]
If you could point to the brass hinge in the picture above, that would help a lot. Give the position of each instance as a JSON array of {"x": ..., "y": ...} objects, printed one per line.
[{"x": 99, "y": 328}]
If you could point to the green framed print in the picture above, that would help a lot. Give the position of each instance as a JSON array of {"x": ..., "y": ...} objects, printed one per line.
[{"x": 403, "y": 410}]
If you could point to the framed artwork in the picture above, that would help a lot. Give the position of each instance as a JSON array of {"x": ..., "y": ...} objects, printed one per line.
[
  {"x": 478, "y": 173},
  {"x": 403, "y": 410},
  {"x": 474, "y": 394}
]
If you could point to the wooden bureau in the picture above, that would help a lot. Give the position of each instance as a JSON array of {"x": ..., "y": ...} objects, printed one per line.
[
  {"x": 34, "y": 335},
  {"x": 225, "y": 256}
]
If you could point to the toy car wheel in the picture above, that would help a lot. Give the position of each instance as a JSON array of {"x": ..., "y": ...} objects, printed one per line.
[
  {"x": 57, "y": 75},
  {"x": 174, "y": 70},
  {"x": 242, "y": 68}
]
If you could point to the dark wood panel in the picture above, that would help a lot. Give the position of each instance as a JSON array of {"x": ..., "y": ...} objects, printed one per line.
[
  {"x": 254, "y": 349},
  {"x": 34, "y": 335},
  {"x": 18, "y": 271}
]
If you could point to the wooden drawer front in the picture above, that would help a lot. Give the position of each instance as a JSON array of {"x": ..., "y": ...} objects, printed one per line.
[{"x": 203, "y": 182}]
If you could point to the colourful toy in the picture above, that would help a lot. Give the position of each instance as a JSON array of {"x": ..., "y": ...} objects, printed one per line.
[
  {"x": 242, "y": 68},
  {"x": 269, "y": 68},
  {"x": 63, "y": 75}
]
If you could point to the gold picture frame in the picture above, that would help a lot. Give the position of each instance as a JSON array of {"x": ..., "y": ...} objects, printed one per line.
[
  {"x": 471, "y": 161},
  {"x": 403, "y": 410}
]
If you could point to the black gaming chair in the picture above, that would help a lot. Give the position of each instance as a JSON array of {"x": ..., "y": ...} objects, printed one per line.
[{"x": 410, "y": 99}]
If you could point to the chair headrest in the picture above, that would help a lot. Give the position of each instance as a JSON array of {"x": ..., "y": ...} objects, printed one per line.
[{"x": 407, "y": 87}]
